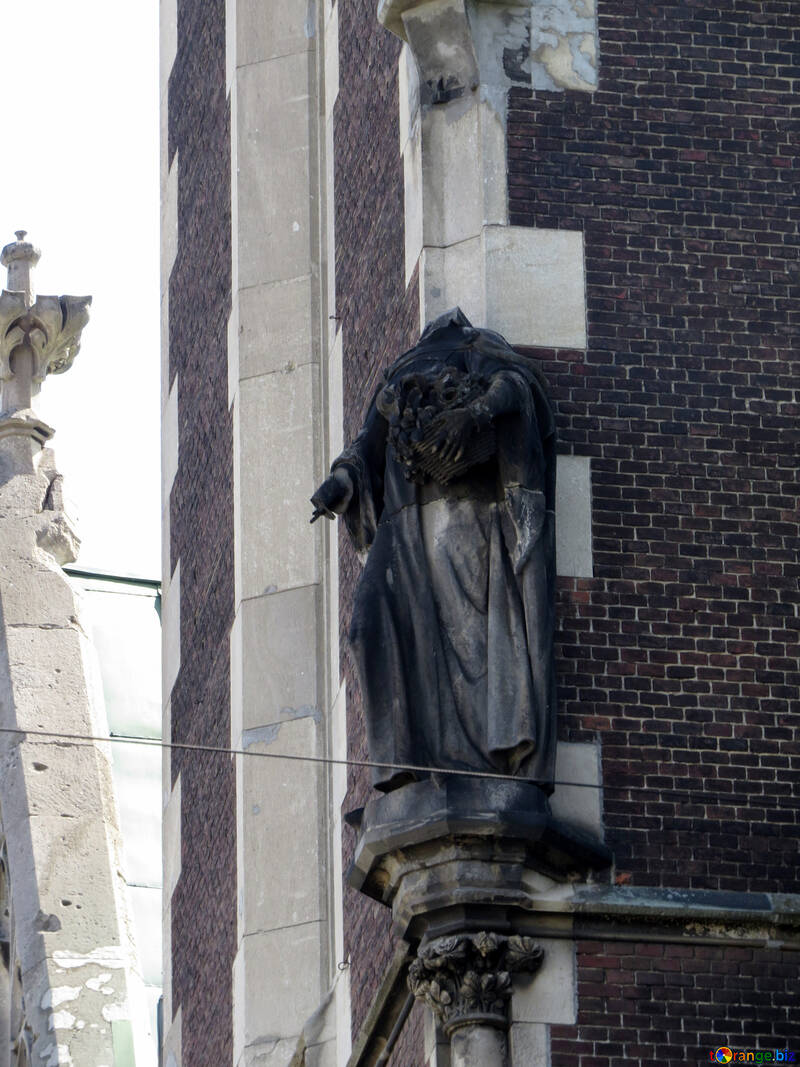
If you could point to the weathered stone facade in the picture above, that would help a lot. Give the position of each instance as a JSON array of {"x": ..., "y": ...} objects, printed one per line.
[
  {"x": 70, "y": 986},
  {"x": 615, "y": 196}
]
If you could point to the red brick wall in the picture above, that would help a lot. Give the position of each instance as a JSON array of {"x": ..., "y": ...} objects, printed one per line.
[
  {"x": 673, "y": 1004},
  {"x": 681, "y": 654},
  {"x": 378, "y": 319},
  {"x": 201, "y": 533}
]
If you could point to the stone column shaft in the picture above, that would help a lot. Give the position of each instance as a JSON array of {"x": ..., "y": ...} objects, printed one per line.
[{"x": 478, "y": 1046}]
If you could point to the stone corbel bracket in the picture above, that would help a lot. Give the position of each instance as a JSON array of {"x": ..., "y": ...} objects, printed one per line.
[
  {"x": 439, "y": 34},
  {"x": 51, "y": 327}
]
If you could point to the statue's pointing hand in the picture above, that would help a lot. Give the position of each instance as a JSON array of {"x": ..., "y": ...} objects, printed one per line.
[{"x": 333, "y": 496}]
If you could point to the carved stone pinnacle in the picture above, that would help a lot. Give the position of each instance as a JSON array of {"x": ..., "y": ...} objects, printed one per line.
[{"x": 466, "y": 978}]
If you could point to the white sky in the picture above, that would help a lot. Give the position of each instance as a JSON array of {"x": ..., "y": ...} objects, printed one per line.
[{"x": 79, "y": 172}]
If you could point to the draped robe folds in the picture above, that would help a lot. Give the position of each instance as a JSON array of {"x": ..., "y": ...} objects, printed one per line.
[{"x": 452, "y": 626}]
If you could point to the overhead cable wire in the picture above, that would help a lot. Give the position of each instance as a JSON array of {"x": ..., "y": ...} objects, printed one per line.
[{"x": 723, "y": 799}]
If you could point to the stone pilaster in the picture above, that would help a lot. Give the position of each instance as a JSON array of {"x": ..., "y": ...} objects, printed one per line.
[{"x": 72, "y": 970}]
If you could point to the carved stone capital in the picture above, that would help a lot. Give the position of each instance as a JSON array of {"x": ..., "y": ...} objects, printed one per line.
[
  {"x": 466, "y": 978},
  {"x": 51, "y": 327}
]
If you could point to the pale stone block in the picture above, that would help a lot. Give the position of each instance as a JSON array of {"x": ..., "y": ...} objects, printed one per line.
[
  {"x": 344, "y": 1038},
  {"x": 452, "y": 176},
  {"x": 163, "y": 139},
  {"x": 281, "y": 820},
  {"x": 166, "y": 547},
  {"x": 171, "y": 837},
  {"x": 233, "y": 96},
  {"x": 494, "y": 170},
  {"x": 275, "y": 103},
  {"x": 236, "y": 421},
  {"x": 169, "y": 223},
  {"x": 330, "y": 230},
  {"x": 535, "y": 289},
  {"x": 171, "y": 1046},
  {"x": 331, "y": 61},
  {"x": 529, "y": 1045},
  {"x": 166, "y": 959},
  {"x": 41, "y": 778},
  {"x": 412, "y": 201},
  {"x": 48, "y": 670},
  {"x": 277, "y": 984},
  {"x": 279, "y": 637},
  {"x": 231, "y": 25},
  {"x": 275, "y": 327},
  {"x": 574, "y": 517},
  {"x": 168, "y": 39},
  {"x": 451, "y": 277},
  {"x": 550, "y": 995},
  {"x": 271, "y": 1052},
  {"x": 267, "y": 30},
  {"x": 234, "y": 349},
  {"x": 237, "y": 680},
  {"x": 338, "y": 792},
  {"x": 35, "y": 596},
  {"x": 277, "y": 431},
  {"x": 73, "y": 862},
  {"x": 338, "y": 733},
  {"x": 273, "y": 184},
  {"x": 335, "y": 399},
  {"x": 564, "y": 45},
  {"x": 579, "y": 804},
  {"x": 166, "y": 753},
  {"x": 323, "y": 1054},
  {"x": 274, "y": 207},
  {"x": 171, "y": 632},
  {"x": 408, "y": 78},
  {"x": 169, "y": 443},
  {"x": 331, "y": 589},
  {"x": 164, "y": 345}
]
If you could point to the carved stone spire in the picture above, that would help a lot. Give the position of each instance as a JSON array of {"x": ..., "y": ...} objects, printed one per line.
[{"x": 38, "y": 336}]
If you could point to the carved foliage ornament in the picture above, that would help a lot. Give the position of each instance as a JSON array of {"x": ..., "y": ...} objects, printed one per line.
[
  {"x": 466, "y": 979},
  {"x": 52, "y": 327}
]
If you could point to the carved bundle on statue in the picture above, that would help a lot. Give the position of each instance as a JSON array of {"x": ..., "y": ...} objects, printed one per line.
[{"x": 413, "y": 407}]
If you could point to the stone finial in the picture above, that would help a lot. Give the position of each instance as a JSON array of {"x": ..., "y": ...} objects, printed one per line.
[
  {"x": 466, "y": 978},
  {"x": 39, "y": 335},
  {"x": 20, "y": 257}
]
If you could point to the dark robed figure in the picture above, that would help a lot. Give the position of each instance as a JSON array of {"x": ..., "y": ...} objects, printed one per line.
[{"x": 451, "y": 486}]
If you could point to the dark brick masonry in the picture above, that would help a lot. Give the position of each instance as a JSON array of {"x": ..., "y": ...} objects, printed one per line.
[
  {"x": 201, "y": 531},
  {"x": 378, "y": 319},
  {"x": 675, "y": 1004},
  {"x": 681, "y": 653}
]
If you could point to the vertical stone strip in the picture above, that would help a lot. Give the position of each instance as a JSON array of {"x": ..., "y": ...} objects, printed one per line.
[
  {"x": 377, "y": 316},
  {"x": 199, "y": 569},
  {"x": 71, "y": 963},
  {"x": 282, "y": 61}
]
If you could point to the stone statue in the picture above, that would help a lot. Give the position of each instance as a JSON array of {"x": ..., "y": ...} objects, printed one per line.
[{"x": 451, "y": 486}]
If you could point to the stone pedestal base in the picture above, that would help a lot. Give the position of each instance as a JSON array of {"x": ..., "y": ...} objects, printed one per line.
[
  {"x": 458, "y": 861},
  {"x": 455, "y": 853}
]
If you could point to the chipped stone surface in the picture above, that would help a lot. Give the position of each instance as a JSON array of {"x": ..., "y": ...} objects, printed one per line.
[
  {"x": 564, "y": 45},
  {"x": 70, "y": 928}
]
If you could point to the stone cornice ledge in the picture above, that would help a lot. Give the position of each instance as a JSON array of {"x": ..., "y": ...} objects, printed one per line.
[{"x": 617, "y": 913}]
